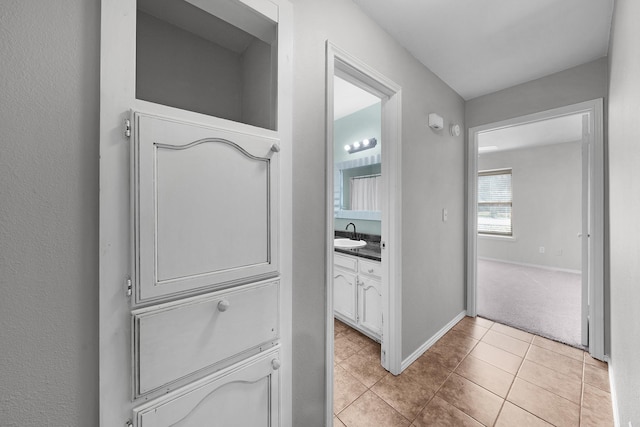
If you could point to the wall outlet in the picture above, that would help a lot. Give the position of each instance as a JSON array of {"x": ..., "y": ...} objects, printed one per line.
[
  {"x": 541, "y": 249},
  {"x": 445, "y": 215}
]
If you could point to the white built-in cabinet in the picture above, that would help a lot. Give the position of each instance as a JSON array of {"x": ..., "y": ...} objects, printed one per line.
[
  {"x": 241, "y": 395},
  {"x": 357, "y": 293},
  {"x": 195, "y": 213}
]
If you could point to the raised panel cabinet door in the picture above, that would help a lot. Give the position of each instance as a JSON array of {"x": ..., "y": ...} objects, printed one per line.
[
  {"x": 344, "y": 293},
  {"x": 370, "y": 305},
  {"x": 205, "y": 207},
  {"x": 245, "y": 395}
]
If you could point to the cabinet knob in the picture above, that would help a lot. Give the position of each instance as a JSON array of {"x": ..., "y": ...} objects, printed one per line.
[
  {"x": 370, "y": 270},
  {"x": 275, "y": 363},
  {"x": 223, "y": 305},
  {"x": 275, "y": 148}
]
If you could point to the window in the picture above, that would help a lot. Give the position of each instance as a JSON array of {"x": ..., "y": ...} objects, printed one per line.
[{"x": 494, "y": 202}]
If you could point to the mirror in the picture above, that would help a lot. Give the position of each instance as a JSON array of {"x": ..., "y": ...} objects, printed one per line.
[{"x": 357, "y": 189}]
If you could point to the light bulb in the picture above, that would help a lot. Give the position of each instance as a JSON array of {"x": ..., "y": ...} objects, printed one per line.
[
  {"x": 347, "y": 148},
  {"x": 365, "y": 142},
  {"x": 356, "y": 144}
]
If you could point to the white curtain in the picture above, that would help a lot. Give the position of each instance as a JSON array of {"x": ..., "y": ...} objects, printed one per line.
[{"x": 365, "y": 193}]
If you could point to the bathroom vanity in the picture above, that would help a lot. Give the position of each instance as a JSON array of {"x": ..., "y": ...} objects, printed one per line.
[{"x": 357, "y": 290}]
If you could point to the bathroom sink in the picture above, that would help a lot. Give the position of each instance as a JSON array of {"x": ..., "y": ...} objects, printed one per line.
[{"x": 348, "y": 243}]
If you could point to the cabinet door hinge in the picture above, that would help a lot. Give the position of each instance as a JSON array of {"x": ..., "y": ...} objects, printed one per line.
[
  {"x": 127, "y": 128},
  {"x": 128, "y": 287}
]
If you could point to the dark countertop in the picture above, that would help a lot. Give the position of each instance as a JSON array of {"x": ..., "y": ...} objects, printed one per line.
[{"x": 371, "y": 251}]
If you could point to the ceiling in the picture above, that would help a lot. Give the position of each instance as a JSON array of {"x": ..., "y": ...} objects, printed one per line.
[
  {"x": 348, "y": 98},
  {"x": 482, "y": 46},
  {"x": 546, "y": 132}
]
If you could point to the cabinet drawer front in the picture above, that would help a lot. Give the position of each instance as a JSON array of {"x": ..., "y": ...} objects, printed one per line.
[
  {"x": 246, "y": 394},
  {"x": 347, "y": 262},
  {"x": 370, "y": 268},
  {"x": 175, "y": 340}
]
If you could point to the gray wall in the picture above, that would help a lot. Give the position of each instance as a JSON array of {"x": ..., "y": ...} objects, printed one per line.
[
  {"x": 259, "y": 85},
  {"x": 582, "y": 83},
  {"x": 179, "y": 69},
  {"x": 176, "y": 67},
  {"x": 547, "y": 187},
  {"x": 49, "y": 93},
  {"x": 624, "y": 203},
  {"x": 432, "y": 176}
]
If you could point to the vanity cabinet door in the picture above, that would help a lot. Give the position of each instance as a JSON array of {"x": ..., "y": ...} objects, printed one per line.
[
  {"x": 370, "y": 305},
  {"x": 344, "y": 294},
  {"x": 247, "y": 394}
]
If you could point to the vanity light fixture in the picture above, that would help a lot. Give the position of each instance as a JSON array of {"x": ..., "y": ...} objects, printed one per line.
[{"x": 365, "y": 144}]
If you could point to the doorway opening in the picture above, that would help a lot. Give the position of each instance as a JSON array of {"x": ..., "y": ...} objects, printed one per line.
[
  {"x": 363, "y": 201},
  {"x": 535, "y": 230}
]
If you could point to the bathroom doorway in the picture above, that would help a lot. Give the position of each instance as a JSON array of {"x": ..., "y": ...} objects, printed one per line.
[{"x": 363, "y": 149}]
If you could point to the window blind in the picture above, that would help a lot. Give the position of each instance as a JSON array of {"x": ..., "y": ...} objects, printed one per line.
[{"x": 495, "y": 202}]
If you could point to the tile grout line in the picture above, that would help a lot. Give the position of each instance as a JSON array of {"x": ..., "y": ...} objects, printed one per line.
[
  {"x": 449, "y": 376},
  {"x": 479, "y": 385},
  {"x": 446, "y": 379},
  {"x": 512, "y": 382},
  {"x": 365, "y": 391}
]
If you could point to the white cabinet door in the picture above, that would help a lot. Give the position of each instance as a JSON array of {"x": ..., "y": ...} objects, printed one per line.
[
  {"x": 244, "y": 396},
  {"x": 344, "y": 293},
  {"x": 370, "y": 305},
  {"x": 205, "y": 207}
]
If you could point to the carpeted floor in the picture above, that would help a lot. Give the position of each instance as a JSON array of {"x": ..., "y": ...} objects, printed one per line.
[{"x": 544, "y": 302}]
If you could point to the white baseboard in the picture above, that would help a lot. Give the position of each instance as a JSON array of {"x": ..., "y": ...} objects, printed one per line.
[
  {"x": 523, "y": 264},
  {"x": 614, "y": 399},
  {"x": 431, "y": 341}
]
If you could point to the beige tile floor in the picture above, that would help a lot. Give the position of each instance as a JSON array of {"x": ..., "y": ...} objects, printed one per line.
[{"x": 479, "y": 373}]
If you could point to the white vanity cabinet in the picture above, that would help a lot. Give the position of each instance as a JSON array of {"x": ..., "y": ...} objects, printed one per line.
[{"x": 357, "y": 293}]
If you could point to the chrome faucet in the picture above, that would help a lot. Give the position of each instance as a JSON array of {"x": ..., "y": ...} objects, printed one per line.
[{"x": 354, "y": 236}]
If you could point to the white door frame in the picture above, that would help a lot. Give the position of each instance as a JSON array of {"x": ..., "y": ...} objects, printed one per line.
[
  {"x": 594, "y": 110},
  {"x": 370, "y": 80}
]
